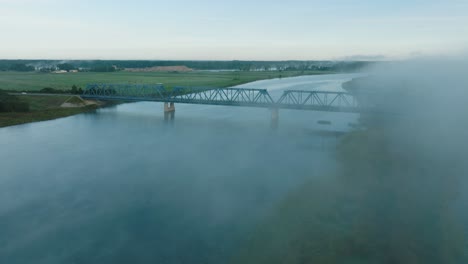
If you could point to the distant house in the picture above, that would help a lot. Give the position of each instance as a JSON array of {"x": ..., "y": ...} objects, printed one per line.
[
  {"x": 73, "y": 71},
  {"x": 60, "y": 71}
]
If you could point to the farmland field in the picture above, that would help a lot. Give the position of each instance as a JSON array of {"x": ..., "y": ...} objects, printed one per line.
[{"x": 34, "y": 81}]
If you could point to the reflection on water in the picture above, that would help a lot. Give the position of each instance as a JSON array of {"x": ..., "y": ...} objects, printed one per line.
[{"x": 122, "y": 186}]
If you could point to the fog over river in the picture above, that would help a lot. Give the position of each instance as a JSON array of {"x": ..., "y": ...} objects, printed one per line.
[{"x": 121, "y": 185}]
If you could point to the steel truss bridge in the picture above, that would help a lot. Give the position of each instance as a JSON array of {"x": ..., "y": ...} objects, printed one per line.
[{"x": 291, "y": 99}]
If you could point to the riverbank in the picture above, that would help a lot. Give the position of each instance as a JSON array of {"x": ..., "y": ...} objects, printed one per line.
[
  {"x": 42, "y": 108},
  {"x": 35, "y": 81}
]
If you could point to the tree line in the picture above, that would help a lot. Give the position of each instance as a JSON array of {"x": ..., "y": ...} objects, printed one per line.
[{"x": 116, "y": 65}]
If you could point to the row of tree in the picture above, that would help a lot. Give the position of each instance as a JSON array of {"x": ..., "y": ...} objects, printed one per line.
[
  {"x": 20, "y": 67},
  {"x": 74, "y": 90},
  {"x": 115, "y": 65}
]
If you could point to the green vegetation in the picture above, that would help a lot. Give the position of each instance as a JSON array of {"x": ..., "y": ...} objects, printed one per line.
[
  {"x": 37, "y": 102},
  {"x": 20, "y": 67},
  {"x": 35, "y": 81},
  {"x": 40, "y": 108},
  {"x": 11, "y": 119},
  {"x": 10, "y": 103}
]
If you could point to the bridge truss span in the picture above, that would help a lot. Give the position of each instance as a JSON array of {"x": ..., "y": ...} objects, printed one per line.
[
  {"x": 318, "y": 100},
  {"x": 291, "y": 99},
  {"x": 222, "y": 96},
  {"x": 131, "y": 92}
]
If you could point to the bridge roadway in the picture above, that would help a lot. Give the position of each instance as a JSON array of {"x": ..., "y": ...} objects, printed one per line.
[{"x": 291, "y": 99}]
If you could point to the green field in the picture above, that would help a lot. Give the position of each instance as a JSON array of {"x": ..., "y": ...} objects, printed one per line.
[{"x": 34, "y": 81}]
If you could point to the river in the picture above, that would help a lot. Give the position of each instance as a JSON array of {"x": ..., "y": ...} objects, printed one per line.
[{"x": 121, "y": 185}]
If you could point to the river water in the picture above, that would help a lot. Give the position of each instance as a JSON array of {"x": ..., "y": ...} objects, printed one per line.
[{"x": 121, "y": 185}]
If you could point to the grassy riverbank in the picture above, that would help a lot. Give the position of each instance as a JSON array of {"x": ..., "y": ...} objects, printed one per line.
[{"x": 41, "y": 108}]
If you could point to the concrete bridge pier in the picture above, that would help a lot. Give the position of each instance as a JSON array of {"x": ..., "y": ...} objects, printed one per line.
[
  {"x": 169, "y": 111},
  {"x": 274, "y": 118}
]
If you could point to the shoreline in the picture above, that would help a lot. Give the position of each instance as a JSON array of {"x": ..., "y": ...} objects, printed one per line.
[{"x": 20, "y": 118}]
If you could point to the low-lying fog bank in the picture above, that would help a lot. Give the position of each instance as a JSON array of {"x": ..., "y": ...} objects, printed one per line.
[{"x": 398, "y": 196}]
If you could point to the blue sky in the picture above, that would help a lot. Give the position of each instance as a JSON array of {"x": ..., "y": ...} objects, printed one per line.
[{"x": 227, "y": 30}]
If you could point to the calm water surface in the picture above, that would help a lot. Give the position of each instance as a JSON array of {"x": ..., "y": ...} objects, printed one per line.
[{"x": 123, "y": 186}]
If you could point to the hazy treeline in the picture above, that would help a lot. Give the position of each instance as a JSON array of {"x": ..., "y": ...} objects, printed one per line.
[{"x": 114, "y": 65}]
